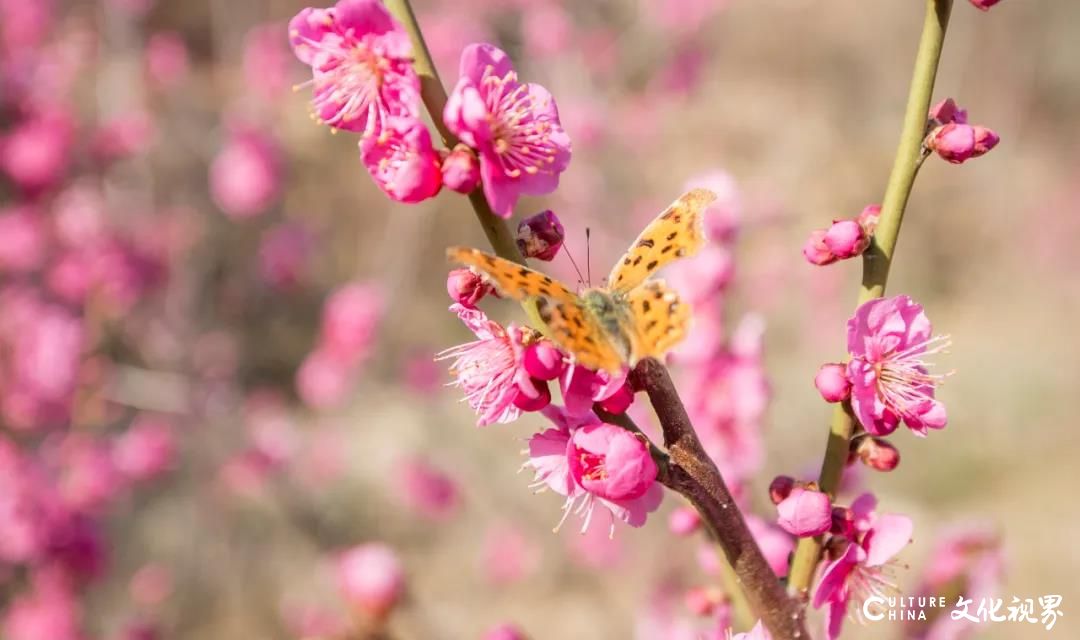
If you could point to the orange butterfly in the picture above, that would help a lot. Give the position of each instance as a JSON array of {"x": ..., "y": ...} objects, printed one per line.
[{"x": 628, "y": 319}]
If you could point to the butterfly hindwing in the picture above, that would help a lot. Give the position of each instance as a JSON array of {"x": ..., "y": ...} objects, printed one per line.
[
  {"x": 675, "y": 233},
  {"x": 661, "y": 319}
]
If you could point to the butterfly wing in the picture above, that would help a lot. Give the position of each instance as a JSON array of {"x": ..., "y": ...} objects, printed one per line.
[
  {"x": 569, "y": 324},
  {"x": 675, "y": 233},
  {"x": 661, "y": 320}
]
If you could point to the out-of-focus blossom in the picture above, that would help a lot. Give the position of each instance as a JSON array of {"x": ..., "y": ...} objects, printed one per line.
[
  {"x": 513, "y": 126},
  {"x": 856, "y": 571},
  {"x": 832, "y": 382},
  {"x": 967, "y": 560},
  {"x": 541, "y": 236},
  {"x": 703, "y": 276},
  {"x": 461, "y": 170},
  {"x": 134, "y": 8},
  {"x": 703, "y": 601},
  {"x": 35, "y": 153},
  {"x": 323, "y": 380},
  {"x": 546, "y": 29},
  {"x": 151, "y": 585},
  {"x": 505, "y": 631},
  {"x": 49, "y": 611},
  {"x": 245, "y": 176},
  {"x": 759, "y": 632},
  {"x": 490, "y": 369},
  {"x": 284, "y": 253},
  {"x": 266, "y": 61},
  {"x": 508, "y": 555},
  {"x": 167, "y": 60},
  {"x": 79, "y": 215},
  {"x": 683, "y": 16},
  {"x": 402, "y": 160},
  {"x": 23, "y": 239},
  {"x": 595, "y": 464},
  {"x": 122, "y": 136},
  {"x": 350, "y": 319},
  {"x": 775, "y": 544},
  {"x": 427, "y": 490},
  {"x": 684, "y": 521},
  {"x": 43, "y": 369},
  {"x": 889, "y": 339},
  {"x": 984, "y": 5},
  {"x": 804, "y": 513},
  {"x": 24, "y": 24},
  {"x": 371, "y": 578},
  {"x": 467, "y": 287},
  {"x": 146, "y": 449},
  {"x": 877, "y": 453},
  {"x": 361, "y": 63},
  {"x": 313, "y": 621}
]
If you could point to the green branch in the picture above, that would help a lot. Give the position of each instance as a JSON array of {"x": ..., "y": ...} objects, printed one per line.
[{"x": 878, "y": 257}]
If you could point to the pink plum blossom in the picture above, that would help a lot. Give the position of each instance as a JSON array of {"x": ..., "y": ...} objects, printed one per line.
[
  {"x": 361, "y": 62},
  {"x": 544, "y": 361},
  {"x": 49, "y": 611},
  {"x": 846, "y": 239},
  {"x": 804, "y": 513},
  {"x": 582, "y": 387},
  {"x": 684, "y": 521},
  {"x": 167, "y": 60},
  {"x": 888, "y": 339},
  {"x": 145, "y": 449},
  {"x": 541, "y": 236},
  {"x": 371, "y": 578},
  {"x": 350, "y": 320},
  {"x": 323, "y": 380},
  {"x": 402, "y": 160},
  {"x": 513, "y": 126},
  {"x": 593, "y": 464},
  {"x": 490, "y": 369},
  {"x": 23, "y": 239},
  {"x": 859, "y": 569},
  {"x": 877, "y": 453},
  {"x": 947, "y": 111}
]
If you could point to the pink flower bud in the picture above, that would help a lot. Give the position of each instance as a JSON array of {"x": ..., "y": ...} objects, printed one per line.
[
  {"x": 684, "y": 521},
  {"x": 877, "y": 453},
  {"x": 815, "y": 251},
  {"x": 780, "y": 488},
  {"x": 805, "y": 513},
  {"x": 371, "y": 579},
  {"x": 702, "y": 601},
  {"x": 846, "y": 239},
  {"x": 619, "y": 401},
  {"x": 985, "y": 140},
  {"x": 868, "y": 218},
  {"x": 461, "y": 170},
  {"x": 534, "y": 396},
  {"x": 832, "y": 382},
  {"x": 946, "y": 111},
  {"x": 610, "y": 462},
  {"x": 984, "y": 5},
  {"x": 954, "y": 142},
  {"x": 540, "y": 236},
  {"x": 843, "y": 522},
  {"x": 543, "y": 360},
  {"x": 466, "y": 287}
]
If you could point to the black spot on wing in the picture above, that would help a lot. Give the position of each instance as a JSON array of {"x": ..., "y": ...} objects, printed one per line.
[
  {"x": 652, "y": 265},
  {"x": 647, "y": 243},
  {"x": 667, "y": 248},
  {"x": 637, "y": 261},
  {"x": 645, "y": 306},
  {"x": 671, "y": 236}
]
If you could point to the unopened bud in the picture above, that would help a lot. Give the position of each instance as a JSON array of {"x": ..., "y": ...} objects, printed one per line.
[
  {"x": 540, "y": 236},
  {"x": 780, "y": 488},
  {"x": 846, "y": 239},
  {"x": 815, "y": 250},
  {"x": 466, "y": 287},
  {"x": 832, "y": 382},
  {"x": 877, "y": 453},
  {"x": 461, "y": 170}
]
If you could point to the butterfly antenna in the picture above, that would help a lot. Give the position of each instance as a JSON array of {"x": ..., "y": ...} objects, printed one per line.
[
  {"x": 588, "y": 257},
  {"x": 566, "y": 250}
]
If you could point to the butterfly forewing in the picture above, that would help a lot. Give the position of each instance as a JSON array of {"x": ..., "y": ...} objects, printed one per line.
[
  {"x": 675, "y": 233},
  {"x": 569, "y": 323}
]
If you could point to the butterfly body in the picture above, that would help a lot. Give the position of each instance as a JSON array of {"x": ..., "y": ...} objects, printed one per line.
[{"x": 630, "y": 318}]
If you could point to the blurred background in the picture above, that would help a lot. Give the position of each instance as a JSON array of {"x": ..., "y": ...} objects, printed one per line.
[{"x": 185, "y": 256}]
